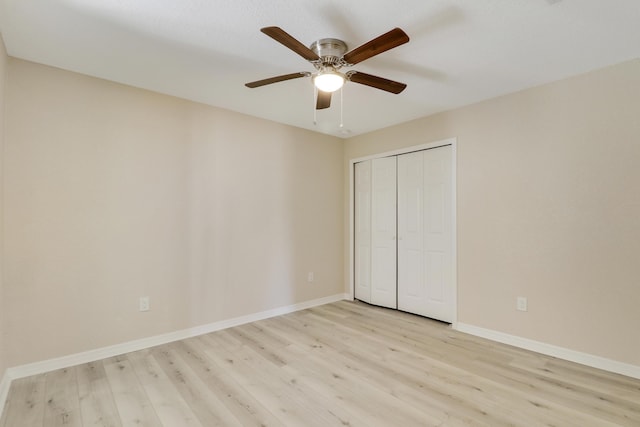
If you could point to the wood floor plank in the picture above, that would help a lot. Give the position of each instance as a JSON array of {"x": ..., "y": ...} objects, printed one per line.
[
  {"x": 360, "y": 395},
  {"x": 585, "y": 400},
  {"x": 367, "y": 355},
  {"x": 25, "y": 403},
  {"x": 62, "y": 405},
  {"x": 208, "y": 406},
  {"x": 342, "y": 364},
  {"x": 584, "y": 376},
  {"x": 471, "y": 376},
  {"x": 284, "y": 389},
  {"x": 133, "y": 405},
  {"x": 244, "y": 406},
  {"x": 458, "y": 382},
  {"x": 255, "y": 338},
  {"x": 405, "y": 386},
  {"x": 97, "y": 406},
  {"x": 169, "y": 405},
  {"x": 554, "y": 390}
]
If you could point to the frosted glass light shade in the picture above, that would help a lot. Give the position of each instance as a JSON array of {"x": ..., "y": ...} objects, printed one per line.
[{"x": 329, "y": 82}]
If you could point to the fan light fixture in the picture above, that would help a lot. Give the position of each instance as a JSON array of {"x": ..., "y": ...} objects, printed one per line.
[{"x": 329, "y": 81}]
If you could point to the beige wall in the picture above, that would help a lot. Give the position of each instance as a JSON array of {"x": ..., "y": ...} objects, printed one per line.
[
  {"x": 112, "y": 193},
  {"x": 3, "y": 72},
  {"x": 548, "y": 208}
]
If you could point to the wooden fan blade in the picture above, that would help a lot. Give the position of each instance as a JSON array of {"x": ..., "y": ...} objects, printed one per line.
[
  {"x": 383, "y": 43},
  {"x": 323, "y": 101},
  {"x": 275, "y": 79},
  {"x": 284, "y": 38},
  {"x": 377, "y": 82}
]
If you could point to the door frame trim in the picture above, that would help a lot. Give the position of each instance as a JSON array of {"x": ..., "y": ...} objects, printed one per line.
[{"x": 453, "y": 142}]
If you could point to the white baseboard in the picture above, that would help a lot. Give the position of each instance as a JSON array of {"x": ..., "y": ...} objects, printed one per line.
[
  {"x": 114, "y": 350},
  {"x": 553, "y": 350}
]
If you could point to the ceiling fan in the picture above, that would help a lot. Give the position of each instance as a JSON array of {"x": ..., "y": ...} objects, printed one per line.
[{"x": 328, "y": 57}]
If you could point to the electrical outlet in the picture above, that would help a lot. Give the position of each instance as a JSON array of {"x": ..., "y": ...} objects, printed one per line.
[
  {"x": 144, "y": 304},
  {"x": 310, "y": 277},
  {"x": 521, "y": 303}
]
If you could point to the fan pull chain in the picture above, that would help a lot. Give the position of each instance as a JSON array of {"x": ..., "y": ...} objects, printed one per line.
[
  {"x": 341, "y": 108},
  {"x": 315, "y": 111}
]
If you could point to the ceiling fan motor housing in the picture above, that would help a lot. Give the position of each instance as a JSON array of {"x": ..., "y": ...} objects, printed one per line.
[{"x": 330, "y": 51}]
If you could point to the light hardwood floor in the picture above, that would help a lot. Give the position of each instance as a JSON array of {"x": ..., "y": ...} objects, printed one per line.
[{"x": 342, "y": 364}]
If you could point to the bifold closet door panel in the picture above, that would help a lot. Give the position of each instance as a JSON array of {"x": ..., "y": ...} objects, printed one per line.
[
  {"x": 438, "y": 233},
  {"x": 411, "y": 281},
  {"x": 425, "y": 258},
  {"x": 383, "y": 232},
  {"x": 362, "y": 215}
]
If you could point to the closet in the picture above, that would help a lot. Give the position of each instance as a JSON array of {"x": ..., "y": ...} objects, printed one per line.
[{"x": 403, "y": 237}]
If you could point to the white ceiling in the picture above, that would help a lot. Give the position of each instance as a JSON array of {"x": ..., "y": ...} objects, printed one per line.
[{"x": 461, "y": 51}]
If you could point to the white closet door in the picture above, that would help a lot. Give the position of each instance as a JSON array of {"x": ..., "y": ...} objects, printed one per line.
[
  {"x": 362, "y": 212},
  {"x": 383, "y": 232},
  {"x": 425, "y": 275},
  {"x": 411, "y": 282}
]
